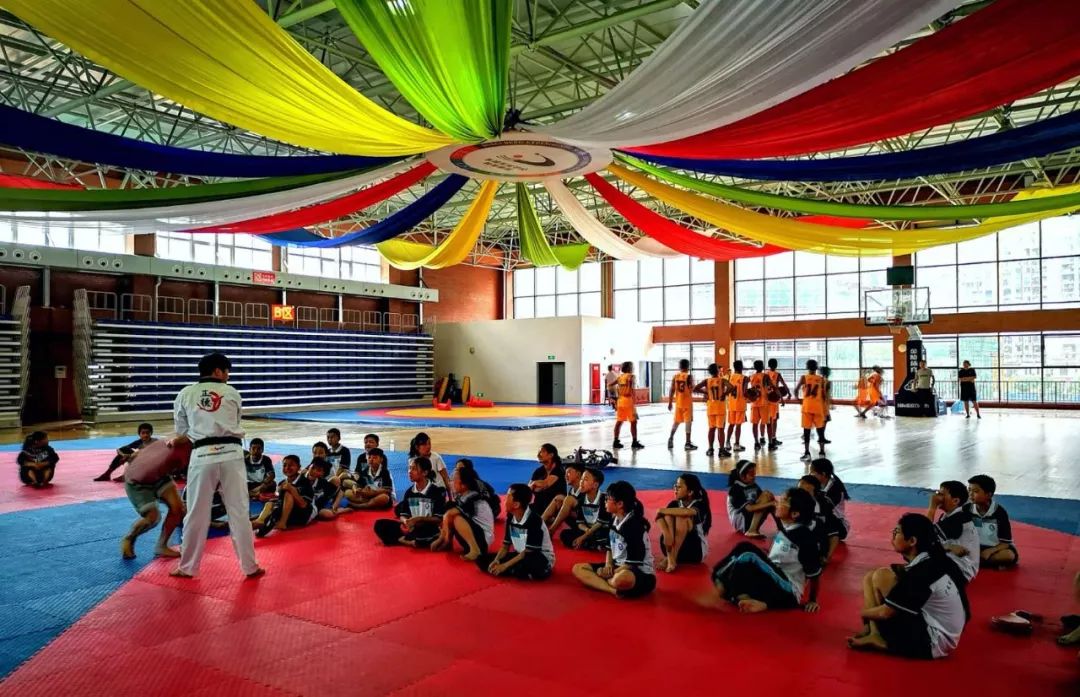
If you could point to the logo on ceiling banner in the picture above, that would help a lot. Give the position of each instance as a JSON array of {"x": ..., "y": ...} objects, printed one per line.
[{"x": 520, "y": 157}]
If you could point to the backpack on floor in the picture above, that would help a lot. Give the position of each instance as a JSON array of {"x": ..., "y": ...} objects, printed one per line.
[{"x": 588, "y": 457}]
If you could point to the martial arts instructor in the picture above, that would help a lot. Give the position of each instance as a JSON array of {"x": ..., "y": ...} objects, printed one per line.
[{"x": 208, "y": 414}]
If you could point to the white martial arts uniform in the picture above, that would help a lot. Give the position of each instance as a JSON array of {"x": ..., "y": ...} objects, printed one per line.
[{"x": 208, "y": 413}]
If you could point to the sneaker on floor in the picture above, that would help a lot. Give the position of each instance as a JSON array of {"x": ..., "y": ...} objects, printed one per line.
[
  {"x": 826, "y": 441},
  {"x": 738, "y": 448},
  {"x": 616, "y": 445},
  {"x": 670, "y": 443},
  {"x": 725, "y": 452},
  {"x": 757, "y": 446},
  {"x": 689, "y": 446},
  {"x": 772, "y": 446},
  {"x": 637, "y": 445},
  {"x": 778, "y": 442},
  {"x": 806, "y": 457},
  {"x": 710, "y": 452}
]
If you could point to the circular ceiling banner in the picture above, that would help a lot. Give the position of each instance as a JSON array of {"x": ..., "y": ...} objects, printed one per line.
[{"x": 520, "y": 156}]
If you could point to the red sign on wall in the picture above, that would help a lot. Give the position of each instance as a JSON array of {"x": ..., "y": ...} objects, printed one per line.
[
  {"x": 283, "y": 313},
  {"x": 266, "y": 278}
]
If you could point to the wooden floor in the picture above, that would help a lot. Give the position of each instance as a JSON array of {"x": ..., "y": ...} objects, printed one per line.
[{"x": 1032, "y": 453}]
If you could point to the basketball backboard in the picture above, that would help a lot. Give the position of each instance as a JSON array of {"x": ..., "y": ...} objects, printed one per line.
[{"x": 890, "y": 306}]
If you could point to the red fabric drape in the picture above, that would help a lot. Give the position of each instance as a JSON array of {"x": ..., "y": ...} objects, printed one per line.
[
  {"x": 670, "y": 234},
  {"x": 1011, "y": 49},
  {"x": 329, "y": 210},
  {"x": 15, "y": 181}
]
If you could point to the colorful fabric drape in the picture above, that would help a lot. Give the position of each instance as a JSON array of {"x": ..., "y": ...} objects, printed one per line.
[
  {"x": 860, "y": 210},
  {"x": 1036, "y": 140},
  {"x": 1008, "y": 50},
  {"x": 592, "y": 230},
  {"x": 168, "y": 218},
  {"x": 15, "y": 181},
  {"x": 729, "y": 60},
  {"x": 21, "y": 129},
  {"x": 455, "y": 248},
  {"x": 828, "y": 239},
  {"x": 105, "y": 199},
  {"x": 329, "y": 210},
  {"x": 672, "y": 235},
  {"x": 391, "y": 226},
  {"x": 228, "y": 60},
  {"x": 652, "y": 247},
  {"x": 449, "y": 58},
  {"x": 534, "y": 245}
]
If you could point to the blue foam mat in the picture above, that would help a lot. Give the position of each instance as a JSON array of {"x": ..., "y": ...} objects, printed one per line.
[{"x": 523, "y": 423}]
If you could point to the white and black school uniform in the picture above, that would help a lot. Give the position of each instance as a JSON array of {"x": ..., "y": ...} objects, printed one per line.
[
  {"x": 476, "y": 510},
  {"x": 340, "y": 458},
  {"x": 993, "y": 527},
  {"x": 298, "y": 516},
  {"x": 543, "y": 498},
  {"x": 958, "y": 528},
  {"x": 380, "y": 479},
  {"x": 32, "y": 458},
  {"x": 324, "y": 492},
  {"x": 258, "y": 471},
  {"x": 530, "y": 536},
  {"x": 437, "y": 465},
  {"x": 629, "y": 540},
  {"x": 777, "y": 579},
  {"x": 415, "y": 503},
  {"x": 740, "y": 495},
  {"x": 837, "y": 525},
  {"x": 931, "y": 609},
  {"x": 696, "y": 545},
  {"x": 588, "y": 513}
]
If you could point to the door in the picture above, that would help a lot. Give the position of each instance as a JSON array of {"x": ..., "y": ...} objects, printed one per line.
[
  {"x": 596, "y": 391},
  {"x": 551, "y": 383},
  {"x": 656, "y": 382}
]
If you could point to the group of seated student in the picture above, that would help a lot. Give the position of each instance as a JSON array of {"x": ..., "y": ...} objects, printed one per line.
[{"x": 37, "y": 461}]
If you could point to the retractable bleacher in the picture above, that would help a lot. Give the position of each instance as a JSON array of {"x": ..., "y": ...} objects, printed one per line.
[{"x": 14, "y": 358}]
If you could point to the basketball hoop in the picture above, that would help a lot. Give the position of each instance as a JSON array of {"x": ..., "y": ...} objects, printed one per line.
[{"x": 895, "y": 324}]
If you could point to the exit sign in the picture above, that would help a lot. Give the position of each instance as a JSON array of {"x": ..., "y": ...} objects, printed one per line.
[
  {"x": 551, "y": 357},
  {"x": 283, "y": 313},
  {"x": 266, "y": 278}
]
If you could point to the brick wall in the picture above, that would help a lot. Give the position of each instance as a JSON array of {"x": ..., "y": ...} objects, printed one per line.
[{"x": 466, "y": 293}]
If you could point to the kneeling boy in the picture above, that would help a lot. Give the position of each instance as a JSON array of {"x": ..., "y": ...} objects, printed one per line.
[{"x": 148, "y": 479}]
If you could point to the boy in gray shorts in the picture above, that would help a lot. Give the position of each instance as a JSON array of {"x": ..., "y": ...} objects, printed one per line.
[{"x": 147, "y": 480}]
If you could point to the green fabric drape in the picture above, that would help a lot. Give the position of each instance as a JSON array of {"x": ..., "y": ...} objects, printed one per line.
[
  {"x": 113, "y": 199},
  {"x": 449, "y": 58},
  {"x": 856, "y": 210},
  {"x": 534, "y": 245}
]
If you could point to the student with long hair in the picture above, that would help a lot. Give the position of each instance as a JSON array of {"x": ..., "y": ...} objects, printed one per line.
[
  {"x": 548, "y": 481},
  {"x": 747, "y": 502},
  {"x": 684, "y": 524},
  {"x": 628, "y": 570},
  {"x": 420, "y": 446},
  {"x": 468, "y": 519}
]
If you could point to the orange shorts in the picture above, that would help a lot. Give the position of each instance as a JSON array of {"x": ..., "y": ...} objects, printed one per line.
[
  {"x": 717, "y": 420},
  {"x": 625, "y": 411},
  {"x": 736, "y": 417},
  {"x": 684, "y": 415},
  {"x": 813, "y": 420},
  {"x": 759, "y": 415}
]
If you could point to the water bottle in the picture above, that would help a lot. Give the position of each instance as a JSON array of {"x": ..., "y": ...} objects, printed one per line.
[{"x": 391, "y": 444}]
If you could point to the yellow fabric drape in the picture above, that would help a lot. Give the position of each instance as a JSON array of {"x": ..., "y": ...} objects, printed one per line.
[
  {"x": 406, "y": 255},
  {"x": 830, "y": 239},
  {"x": 227, "y": 59}
]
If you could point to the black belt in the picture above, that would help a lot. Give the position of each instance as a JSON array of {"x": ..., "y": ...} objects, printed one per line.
[{"x": 217, "y": 440}]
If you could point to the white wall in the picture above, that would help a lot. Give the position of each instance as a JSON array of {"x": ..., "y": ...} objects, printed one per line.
[{"x": 504, "y": 354}]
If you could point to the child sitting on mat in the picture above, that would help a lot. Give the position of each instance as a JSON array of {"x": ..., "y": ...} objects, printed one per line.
[
  {"x": 469, "y": 518},
  {"x": 955, "y": 527},
  {"x": 260, "y": 471},
  {"x": 824, "y": 518},
  {"x": 325, "y": 494},
  {"x": 548, "y": 481},
  {"x": 747, "y": 503},
  {"x": 918, "y": 609},
  {"x": 587, "y": 519},
  {"x": 338, "y": 456},
  {"x": 125, "y": 453},
  {"x": 684, "y": 524},
  {"x": 562, "y": 504},
  {"x": 37, "y": 460},
  {"x": 992, "y": 523},
  {"x": 627, "y": 571},
  {"x": 419, "y": 513},
  {"x": 374, "y": 486},
  {"x": 533, "y": 556},
  {"x": 420, "y": 446},
  {"x": 833, "y": 489},
  {"x": 486, "y": 490},
  {"x": 293, "y": 507},
  {"x": 350, "y": 480},
  {"x": 756, "y": 581},
  {"x": 147, "y": 480}
]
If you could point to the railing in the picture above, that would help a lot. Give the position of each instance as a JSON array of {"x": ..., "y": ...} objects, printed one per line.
[
  {"x": 352, "y": 319},
  {"x": 849, "y": 389},
  {"x": 3, "y": 300},
  {"x": 201, "y": 311},
  {"x": 257, "y": 313},
  {"x": 101, "y": 304},
  {"x": 170, "y": 309},
  {"x": 136, "y": 306},
  {"x": 997, "y": 391},
  {"x": 306, "y": 317},
  {"x": 230, "y": 312}
]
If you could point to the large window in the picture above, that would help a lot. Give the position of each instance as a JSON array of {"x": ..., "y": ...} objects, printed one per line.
[
  {"x": 1010, "y": 367},
  {"x": 1029, "y": 267},
  {"x": 844, "y": 357},
  {"x": 665, "y": 291},
  {"x": 243, "y": 251},
  {"x": 556, "y": 292},
  {"x": 95, "y": 238},
  {"x": 348, "y": 263},
  {"x": 700, "y": 355},
  {"x": 801, "y": 285}
]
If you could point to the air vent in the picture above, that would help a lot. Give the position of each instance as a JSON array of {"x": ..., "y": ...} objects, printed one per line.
[
  {"x": 118, "y": 263},
  {"x": 35, "y": 256},
  {"x": 18, "y": 254},
  {"x": 103, "y": 263}
]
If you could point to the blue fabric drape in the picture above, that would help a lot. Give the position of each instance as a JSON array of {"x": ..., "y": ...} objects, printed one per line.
[
  {"x": 21, "y": 129},
  {"x": 1052, "y": 135},
  {"x": 387, "y": 228}
]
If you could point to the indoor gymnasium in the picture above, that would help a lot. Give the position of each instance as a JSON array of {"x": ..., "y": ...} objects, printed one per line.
[{"x": 540, "y": 347}]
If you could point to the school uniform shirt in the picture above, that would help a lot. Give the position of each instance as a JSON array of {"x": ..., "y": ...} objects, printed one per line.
[
  {"x": 925, "y": 588},
  {"x": 836, "y": 492},
  {"x": 380, "y": 479},
  {"x": 594, "y": 511},
  {"x": 476, "y": 509},
  {"x": 796, "y": 551},
  {"x": 324, "y": 492},
  {"x": 304, "y": 489},
  {"x": 422, "y": 503},
  {"x": 437, "y": 465},
  {"x": 136, "y": 444},
  {"x": 629, "y": 539},
  {"x": 259, "y": 470},
  {"x": 958, "y": 528},
  {"x": 699, "y": 521},
  {"x": 208, "y": 413},
  {"x": 340, "y": 457},
  {"x": 529, "y": 534},
  {"x": 993, "y": 526},
  {"x": 740, "y": 495},
  {"x": 37, "y": 456}
]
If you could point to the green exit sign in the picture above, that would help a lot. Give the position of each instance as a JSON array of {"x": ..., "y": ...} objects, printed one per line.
[{"x": 551, "y": 357}]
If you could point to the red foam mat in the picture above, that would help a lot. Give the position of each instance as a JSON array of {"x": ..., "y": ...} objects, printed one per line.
[
  {"x": 73, "y": 483},
  {"x": 339, "y": 614}
]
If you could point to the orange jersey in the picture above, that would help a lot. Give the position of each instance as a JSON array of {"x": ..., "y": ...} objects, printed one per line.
[
  {"x": 875, "y": 382},
  {"x": 684, "y": 396},
  {"x": 714, "y": 396},
  {"x": 624, "y": 388},
  {"x": 774, "y": 377},
  {"x": 813, "y": 396},
  {"x": 760, "y": 380},
  {"x": 737, "y": 401}
]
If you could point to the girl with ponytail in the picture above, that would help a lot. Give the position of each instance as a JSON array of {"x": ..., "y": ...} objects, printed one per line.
[
  {"x": 684, "y": 524},
  {"x": 628, "y": 571}
]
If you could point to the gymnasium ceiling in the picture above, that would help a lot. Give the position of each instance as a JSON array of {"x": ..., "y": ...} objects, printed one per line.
[{"x": 565, "y": 54}]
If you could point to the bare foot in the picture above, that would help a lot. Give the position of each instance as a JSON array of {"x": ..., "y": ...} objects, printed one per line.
[
  {"x": 177, "y": 573},
  {"x": 438, "y": 544},
  {"x": 256, "y": 573},
  {"x": 751, "y": 606},
  {"x": 280, "y": 526},
  {"x": 671, "y": 565},
  {"x": 867, "y": 642},
  {"x": 708, "y": 600},
  {"x": 755, "y": 535},
  {"x": 471, "y": 556},
  {"x": 127, "y": 548},
  {"x": 101, "y": 478},
  {"x": 166, "y": 552}
]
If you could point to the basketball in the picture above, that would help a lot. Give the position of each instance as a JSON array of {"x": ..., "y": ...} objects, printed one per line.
[{"x": 753, "y": 393}]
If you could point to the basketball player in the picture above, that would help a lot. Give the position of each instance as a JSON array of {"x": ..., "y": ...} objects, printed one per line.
[
  {"x": 715, "y": 389},
  {"x": 682, "y": 396},
  {"x": 783, "y": 391},
  {"x": 736, "y": 407},
  {"x": 811, "y": 389},
  {"x": 761, "y": 408},
  {"x": 624, "y": 406}
]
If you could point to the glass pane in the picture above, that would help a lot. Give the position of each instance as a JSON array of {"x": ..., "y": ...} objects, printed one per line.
[
  {"x": 843, "y": 293},
  {"x": 779, "y": 298},
  {"x": 810, "y": 295},
  {"x": 977, "y": 285},
  {"x": 1021, "y": 350},
  {"x": 523, "y": 282},
  {"x": 651, "y": 304},
  {"x": 589, "y": 276},
  {"x": 589, "y": 304},
  {"x": 1061, "y": 280},
  {"x": 805, "y": 349},
  {"x": 749, "y": 297},
  {"x": 836, "y": 264},
  {"x": 876, "y": 352},
  {"x": 941, "y": 281},
  {"x": 676, "y": 271},
  {"x": 941, "y": 353},
  {"x": 565, "y": 281},
  {"x": 702, "y": 271},
  {"x": 936, "y": 256},
  {"x": 808, "y": 264},
  {"x": 1020, "y": 282},
  {"x": 112, "y": 243},
  {"x": 749, "y": 268},
  {"x": 225, "y": 255},
  {"x": 749, "y": 351},
  {"x": 783, "y": 352},
  {"x": 843, "y": 353},
  {"x": 1021, "y": 385},
  {"x": 650, "y": 272},
  {"x": 262, "y": 261},
  {"x": 203, "y": 252},
  {"x": 625, "y": 274},
  {"x": 545, "y": 306},
  {"x": 702, "y": 302},
  {"x": 700, "y": 357},
  {"x": 677, "y": 304},
  {"x": 1061, "y": 236},
  {"x": 544, "y": 281},
  {"x": 1061, "y": 385},
  {"x": 566, "y": 305},
  {"x": 980, "y": 351},
  {"x": 331, "y": 268},
  {"x": 980, "y": 249},
  {"x": 1020, "y": 242},
  {"x": 241, "y": 257},
  {"x": 1061, "y": 350},
  {"x": 780, "y": 265},
  {"x": 31, "y": 234},
  {"x": 874, "y": 263},
  {"x": 523, "y": 308},
  {"x": 626, "y": 305}
]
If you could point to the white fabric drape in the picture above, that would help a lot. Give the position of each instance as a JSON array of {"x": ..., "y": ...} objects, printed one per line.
[
  {"x": 732, "y": 59},
  {"x": 592, "y": 230},
  {"x": 190, "y": 215},
  {"x": 651, "y": 247}
]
